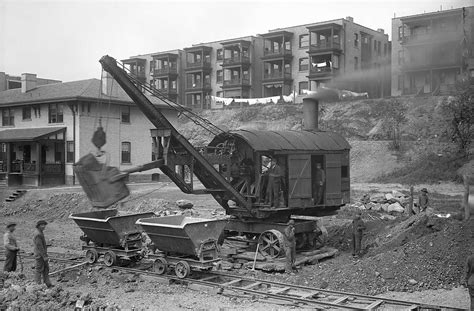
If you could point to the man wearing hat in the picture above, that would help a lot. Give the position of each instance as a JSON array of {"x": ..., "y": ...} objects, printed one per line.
[
  {"x": 423, "y": 200},
  {"x": 290, "y": 246},
  {"x": 358, "y": 227},
  {"x": 11, "y": 248},
  {"x": 41, "y": 254}
]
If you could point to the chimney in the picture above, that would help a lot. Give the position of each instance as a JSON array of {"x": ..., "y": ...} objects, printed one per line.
[
  {"x": 3, "y": 81},
  {"x": 28, "y": 82},
  {"x": 350, "y": 18},
  {"x": 381, "y": 30},
  {"x": 310, "y": 113}
]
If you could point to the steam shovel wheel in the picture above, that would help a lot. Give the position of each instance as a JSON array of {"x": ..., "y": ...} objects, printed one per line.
[
  {"x": 110, "y": 258},
  {"x": 182, "y": 269},
  {"x": 270, "y": 243},
  {"x": 160, "y": 266},
  {"x": 91, "y": 256}
]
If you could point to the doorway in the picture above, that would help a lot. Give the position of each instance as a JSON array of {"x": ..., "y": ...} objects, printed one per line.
[{"x": 318, "y": 179}]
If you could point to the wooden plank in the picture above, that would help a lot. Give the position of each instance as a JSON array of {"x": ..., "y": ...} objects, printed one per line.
[
  {"x": 374, "y": 304},
  {"x": 309, "y": 295},
  {"x": 341, "y": 299},
  {"x": 208, "y": 278},
  {"x": 281, "y": 290},
  {"x": 232, "y": 282},
  {"x": 252, "y": 285}
]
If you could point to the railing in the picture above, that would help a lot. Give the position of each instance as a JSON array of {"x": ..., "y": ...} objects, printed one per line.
[
  {"x": 3, "y": 167},
  {"x": 198, "y": 64},
  {"x": 16, "y": 167},
  {"x": 236, "y": 60},
  {"x": 324, "y": 45},
  {"x": 165, "y": 70},
  {"x": 321, "y": 71},
  {"x": 243, "y": 81},
  {"x": 52, "y": 168},
  {"x": 205, "y": 85},
  {"x": 427, "y": 63},
  {"x": 278, "y": 52},
  {"x": 440, "y": 36},
  {"x": 138, "y": 73},
  {"x": 29, "y": 167},
  {"x": 277, "y": 75}
]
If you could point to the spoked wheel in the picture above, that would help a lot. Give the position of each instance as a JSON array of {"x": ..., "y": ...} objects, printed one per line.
[
  {"x": 270, "y": 243},
  {"x": 110, "y": 258},
  {"x": 182, "y": 269},
  {"x": 91, "y": 256},
  {"x": 160, "y": 266}
]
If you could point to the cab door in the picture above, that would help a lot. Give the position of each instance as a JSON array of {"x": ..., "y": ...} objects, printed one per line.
[
  {"x": 299, "y": 180},
  {"x": 333, "y": 180}
]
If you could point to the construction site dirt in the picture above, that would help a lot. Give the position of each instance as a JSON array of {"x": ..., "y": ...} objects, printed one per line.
[{"x": 418, "y": 258}]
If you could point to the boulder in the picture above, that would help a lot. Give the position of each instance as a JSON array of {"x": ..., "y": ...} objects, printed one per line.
[
  {"x": 378, "y": 198},
  {"x": 389, "y": 196},
  {"x": 397, "y": 194},
  {"x": 384, "y": 207},
  {"x": 396, "y": 207},
  {"x": 184, "y": 204},
  {"x": 376, "y": 207}
]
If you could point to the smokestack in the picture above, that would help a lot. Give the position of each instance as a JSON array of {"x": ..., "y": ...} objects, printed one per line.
[
  {"x": 310, "y": 113},
  {"x": 381, "y": 30},
  {"x": 28, "y": 82},
  {"x": 350, "y": 18}
]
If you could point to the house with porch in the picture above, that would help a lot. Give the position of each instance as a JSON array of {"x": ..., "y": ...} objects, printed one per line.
[{"x": 45, "y": 129}]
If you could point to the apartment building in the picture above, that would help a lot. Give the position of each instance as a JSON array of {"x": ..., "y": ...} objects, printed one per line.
[
  {"x": 45, "y": 129},
  {"x": 8, "y": 82},
  {"x": 338, "y": 53},
  {"x": 431, "y": 51}
]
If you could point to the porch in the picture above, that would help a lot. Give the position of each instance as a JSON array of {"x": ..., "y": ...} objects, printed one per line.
[{"x": 32, "y": 157}]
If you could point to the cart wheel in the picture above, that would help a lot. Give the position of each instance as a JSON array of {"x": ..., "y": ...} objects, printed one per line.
[
  {"x": 271, "y": 243},
  {"x": 110, "y": 258},
  {"x": 160, "y": 266},
  {"x": 182, "y": 269},
  {"x": 91, "y": 256}
]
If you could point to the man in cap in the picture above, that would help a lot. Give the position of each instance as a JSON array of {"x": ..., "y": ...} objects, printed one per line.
[
  {"x": 41, "y": 254},
  {"x": 11, "y": 248},
  {"x": 423, "y": 200},
  {"x": 320, "y": 179},
  {"x": 290, "y": 246},
  {"x": 358, "y": 227}
]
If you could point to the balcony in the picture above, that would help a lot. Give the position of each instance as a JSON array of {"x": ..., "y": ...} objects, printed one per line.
[
  {"x": 432, "y": 38},
  {"x": 139, "y": 73},
  {"x": 324, "y": 46},
  {"x": 239, "y": 82},
  {"x": 170, "y": 91},
  {"x": 321, "y": 72},
  {"x": 165, "y": 71},
  {"x": 276, "y": 76},
  {"x": 275, "y": 54},
  {"x": 236, "y": 61},
  {"x": 198, "y": 86},
  {"x": 198, "y": 65},
  {"x": 427, "y": 64}
]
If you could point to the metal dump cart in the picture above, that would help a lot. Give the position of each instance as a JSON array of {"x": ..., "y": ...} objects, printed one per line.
[
  {"x": 112, "y": 235},
  {"x": 184, "y": 243}
]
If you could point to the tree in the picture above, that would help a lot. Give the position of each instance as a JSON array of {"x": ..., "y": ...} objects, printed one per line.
[
  {"x": 459, "y": 111},
  {"x": 394, "y": 118}
]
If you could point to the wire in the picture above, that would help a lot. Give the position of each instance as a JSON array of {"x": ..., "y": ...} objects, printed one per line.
[{"x": 143, "y": 195}]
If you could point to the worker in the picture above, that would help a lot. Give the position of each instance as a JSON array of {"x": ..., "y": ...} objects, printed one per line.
[
  {"x": 423, "y": 200},
  {"x": 11, "y": 248},
  {"x": 290, "y": 246},
  {"x": 358, "y": 227},
  {"x": 316, "y": 237},
  {"x": 320, "y": 180},
  {"x": 275, "y": 177},
  {"x": 469, "y": 282},
  {"x": 41, "y": 254}
]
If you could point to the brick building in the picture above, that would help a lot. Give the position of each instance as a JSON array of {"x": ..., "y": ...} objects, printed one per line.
[
  {"x": 338, "y": 53},
  {"x": 431, "y": 51},
  {"x": 8, "y": 82},
  {"x": 46, "y": 129}
]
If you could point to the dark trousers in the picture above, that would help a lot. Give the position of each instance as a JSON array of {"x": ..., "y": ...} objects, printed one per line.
[
  {"x": 471, "y": 294},
  {"x": 290, "y": 252},
  {"x": 356, "y": 243},
  {"x": 10, "y": 261},
  {"x": 42, "y": 271}
]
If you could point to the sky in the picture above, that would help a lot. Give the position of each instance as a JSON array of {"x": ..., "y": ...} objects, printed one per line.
[{"x": 64, "y": 39}]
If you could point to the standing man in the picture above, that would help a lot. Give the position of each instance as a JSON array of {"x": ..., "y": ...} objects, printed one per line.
[
  {"x": 275, "y": 176},
  {"x": 358, "y": 227},
  {"x": 423, "y": 200},
  {"x": 41, "y": 254},
  {"x": 320, "y": 180},
  {"x": 470, "y": 278},
  {"x": 290, "y": 246},
  {"x": 11, "y": 248}
]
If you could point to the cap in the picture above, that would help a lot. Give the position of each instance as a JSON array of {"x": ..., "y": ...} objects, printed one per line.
[
  {"x": 41, "y": 222},
  {"x": 424, "y": 190},
  {"x": 291, "y": 222},
  {"x": 11, "y": 224}
]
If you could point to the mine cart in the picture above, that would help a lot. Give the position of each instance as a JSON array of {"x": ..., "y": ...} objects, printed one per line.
[
  {"x": 112, "y": 235},
  {"x": 184, "y": 243}
]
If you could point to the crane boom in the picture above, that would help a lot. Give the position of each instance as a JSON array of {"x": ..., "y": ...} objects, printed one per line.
[{"x": 211, "y": 179}]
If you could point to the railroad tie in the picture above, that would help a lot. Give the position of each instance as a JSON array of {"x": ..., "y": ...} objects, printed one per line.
[
  {"x": 341, "y": 299},
  {"x": 209, "y": 278},
  {"x": 374, "y": 305},
  {"x": 252, "y": 285},
  {"x": 281, "y": 290},
  {"x": 309, "y": 295},
  {"x": 231, "y": 282}
]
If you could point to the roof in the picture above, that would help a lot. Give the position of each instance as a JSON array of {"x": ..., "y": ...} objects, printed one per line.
[
  {"x": 89, "y": 89},
  {"x": 293, "y": 140},
  {"x": 28, "y": 134}
]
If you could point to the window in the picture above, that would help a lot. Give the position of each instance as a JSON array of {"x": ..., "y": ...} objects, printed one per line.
[
  {"x": 126, "y": 150},
  {"x": 304, "y": 64},
  {"x": 385, "y": 49},
  {"x": 125, "y": 112},
  {"x": 220, "y": 54},
  {"x": 58, "y": 152},
  {"x": 401, "y": 57},
  {"x": 375, "y": 45},
  {"x": 304, "y": 41},
  {"x": 356, "y": 40},
  {"x": 55, "y": 113},
  {"x": 303, "y": 86},
  {"x": 356, "y": 63},
  {"x": 400, "y": 83},
  {"x": 70, "y": 152},
  {"x": 344, "y": 171},
  {"x": 220, "y": 76},
  {"x": 379, "y": 48},
  {"x": 26, "y": 112},
  {"x": 335, "y": 61},
  {"x": 400, "y": 32},
  {"x": 8, "y": 117}
]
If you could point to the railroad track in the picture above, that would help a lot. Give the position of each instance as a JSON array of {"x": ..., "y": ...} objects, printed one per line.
[{"x": 297, "y": 294}]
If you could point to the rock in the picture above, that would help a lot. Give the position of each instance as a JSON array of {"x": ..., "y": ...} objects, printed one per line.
[
  {"x": 376, "y": 206},
  {"x": 384, "y": 207},
  {"x": 397, "y": 194},
  {"x": 184, "y": 204},
  {"x": 378, "y": 198},
  {"x": 237, "y": 266},
  {"x": 389, "y": 196},
  {"x": 412, "y": 282},
  {"x": 395, "y": 207},
  {"x": 388, "y": 217},
  {"x": 324, "y": 284},
  {"x": 377, "y": 274}
]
